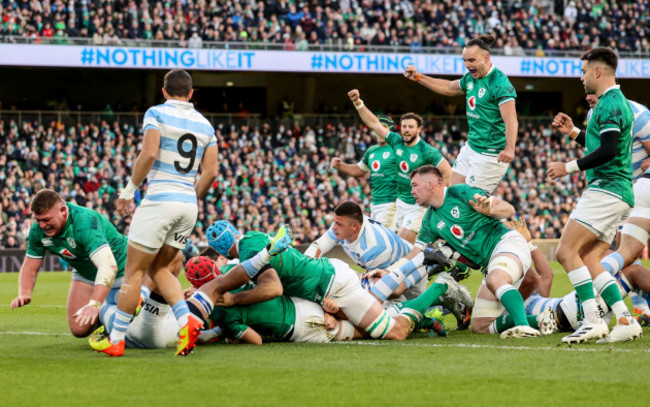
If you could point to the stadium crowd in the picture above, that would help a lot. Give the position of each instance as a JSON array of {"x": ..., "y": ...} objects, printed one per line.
[
  {"x": 578, "y": 25},
  {"x": 269, "y": 175}
]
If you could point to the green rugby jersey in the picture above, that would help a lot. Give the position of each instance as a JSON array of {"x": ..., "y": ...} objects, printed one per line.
[
  {"x": 301, "y": 276},
  {"x": 85, "y": 232},
  {"x": 410, "y": 158},
  {"x": 274, "y": 318},
  {"x": 613, "y": 177},
  {"x": 472, "y": 234},
  {"x": 487, "y": 130},
  {"x": 380, "y": 162}
]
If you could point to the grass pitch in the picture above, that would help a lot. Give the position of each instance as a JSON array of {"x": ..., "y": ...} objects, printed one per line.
[{"x": 41, "y": 364}]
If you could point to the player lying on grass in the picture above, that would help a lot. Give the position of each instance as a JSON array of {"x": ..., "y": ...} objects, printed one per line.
[
  {"x": 301, "y": 277},
  {"x": 89, "y": 243}
]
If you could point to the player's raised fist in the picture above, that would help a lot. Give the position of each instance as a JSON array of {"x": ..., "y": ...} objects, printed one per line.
[
  {"x": 354, "y": 95},
  {"x": 411, "y": 72},
  {"x": 336, "y": 162},
  {"x": 563, "y": 123}
]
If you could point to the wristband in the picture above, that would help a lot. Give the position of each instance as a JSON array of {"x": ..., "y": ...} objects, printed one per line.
[
  {"x": 531, "y": 246},
  {"x": 574, "y": 133},
  {"x": 417, "y": 78},
  {"x": 358, "y": 104},
  {"x": 128, "y": 191},
  {"x": 572, "y": 166}
]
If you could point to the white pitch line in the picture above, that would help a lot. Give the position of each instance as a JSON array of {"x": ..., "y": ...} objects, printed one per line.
[
  {"x": 33, "y": 333},
  {"x": 575, "y": 348}
]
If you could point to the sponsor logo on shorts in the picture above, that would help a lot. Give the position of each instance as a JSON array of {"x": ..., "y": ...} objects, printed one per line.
[
  {"x": 67, "y": 254},
  {"x": 180, "y": 238},
  {"x": 455, "y": 212},
  {"x": 481, "y": 92},
  {"x": 151, "y": 309},
  {"x": 71, "y": 242},
  {"x": 47, "y": 241},
  {"x": 386, "y": 154},
  {"x": 471, "y": 102},
  {"x": 457, "y": 231},
  {"x": 376, "y": 165},
  {"x": 404, "y": 166}
]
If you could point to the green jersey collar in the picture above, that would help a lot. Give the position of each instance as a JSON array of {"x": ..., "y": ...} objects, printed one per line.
[{"x": 490, "y": 71}]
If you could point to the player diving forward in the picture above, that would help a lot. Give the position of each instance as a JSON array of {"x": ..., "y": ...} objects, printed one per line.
[
  {"x": 89, "y": 243},
  {"x": 412, "y": 152}
]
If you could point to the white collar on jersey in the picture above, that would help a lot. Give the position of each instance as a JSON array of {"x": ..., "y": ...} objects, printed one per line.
[
  {"x": 179, "y": 103},
  {"x": 610, "y": 88},
  {"x": 490, "y": 71}
]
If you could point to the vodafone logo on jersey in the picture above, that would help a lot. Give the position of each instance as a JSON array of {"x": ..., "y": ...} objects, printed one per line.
[
  {"x": 67, "y": 254},
  {"x": 471, "y": 102},
  {"x": 376, "y": 165},
  {"x": 457, "y": 231},
  {"x": 404, "y": 166}
]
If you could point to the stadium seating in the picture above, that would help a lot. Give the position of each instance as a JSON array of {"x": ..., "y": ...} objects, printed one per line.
[
  {"x": 269, "y": 174},
  {"x": 543, "y": 27}
]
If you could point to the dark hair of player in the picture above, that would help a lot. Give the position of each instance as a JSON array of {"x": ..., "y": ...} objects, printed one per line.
[
  {"x": 483, "y": 41},
  {"x": 44, "y": 200},
  {"x": 177, "y": 83},
  {"x": 350, "y": 210},
  {"x": 411, "y": 115},
  {"x": 601, "y": 54},
  {"x": 426, "y": 169}
]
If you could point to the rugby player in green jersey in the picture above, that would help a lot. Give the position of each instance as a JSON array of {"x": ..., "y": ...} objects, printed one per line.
[
  {"x": 469, "y": 221},
  {"x": 89, "y": 243},
  {"x": 411, "y": 152},
  {"x": 605, "y": 204},
  {"x": 491, "y": 116},
  {"x": 379, "y": 161}
]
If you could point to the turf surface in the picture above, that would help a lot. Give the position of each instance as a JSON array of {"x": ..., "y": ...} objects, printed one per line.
[{"x": 42, "y": 365}]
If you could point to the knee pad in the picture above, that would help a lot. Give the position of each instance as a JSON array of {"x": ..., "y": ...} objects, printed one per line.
[
  {"x": 507, "y": 264},
  {"x": 381, "y": 326},
  {"x": 636, "y": 232}
]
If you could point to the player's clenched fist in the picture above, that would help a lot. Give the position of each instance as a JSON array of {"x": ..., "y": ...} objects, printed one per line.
[
  {"x": 563, "y": 123},
  {"x": 336, "y": 162},
  {"x": 411, "y": 72},
  {"x": 354, "y": 95}
]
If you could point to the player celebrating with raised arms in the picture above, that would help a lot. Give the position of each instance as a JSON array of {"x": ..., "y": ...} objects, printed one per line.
[
  {"x": 379, "y": 161},
  {"x": 491, "y": 116},
  {"x": 89, "y": 243},
  {"x": 605, "y": 204},
  {"x": 177, "y": 139},
  {"x": 412, "y": 152}
]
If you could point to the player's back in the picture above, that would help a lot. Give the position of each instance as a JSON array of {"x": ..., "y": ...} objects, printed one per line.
[
  {"x": 184, "y": 136},
  {"x": 641, "y": 135}
]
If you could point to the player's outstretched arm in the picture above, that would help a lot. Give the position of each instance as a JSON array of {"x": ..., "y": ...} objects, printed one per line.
[
  {"x": 26, "y": 282},
  {"x": 268, "y": 287},
  {"x": 209, "y": 171},
  {"x": 352, "y": 170},
  {"x": 106, "y": 265},
  {"x": 320, "y": 246},
  {"x": 367, "y": 116},
  {"x": 492, "y": 206},
  {"x": 250, "y": 337},
  {"x": 439, "y": 86},
  {"x": 509, "y": 116}
]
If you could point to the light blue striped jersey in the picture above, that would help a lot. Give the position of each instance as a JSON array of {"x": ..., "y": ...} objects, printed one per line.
[
  {"x": 184, "y": 136},
  {"x": 375, "y": 247},
  {"x": 535, "y": 304},
  {"x": 641, "y": 135}
]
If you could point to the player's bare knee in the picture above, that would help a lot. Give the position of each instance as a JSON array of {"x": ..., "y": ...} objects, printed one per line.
[{"x": 481, "y": 325}]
